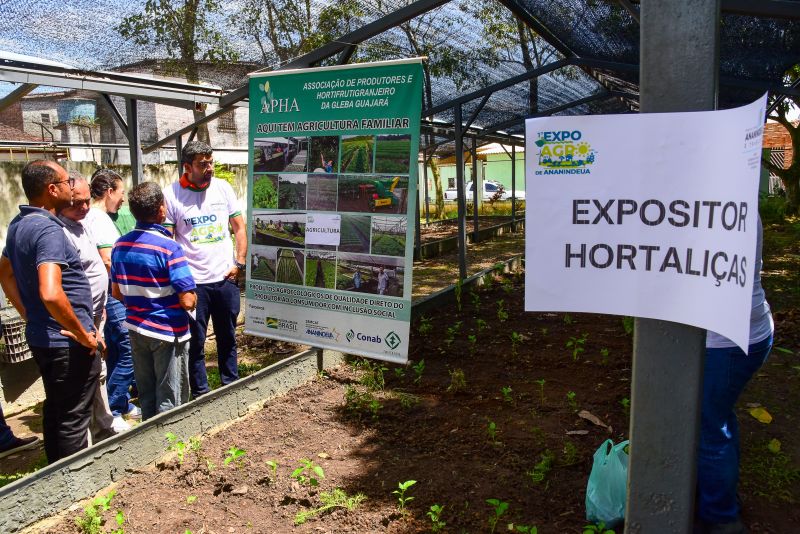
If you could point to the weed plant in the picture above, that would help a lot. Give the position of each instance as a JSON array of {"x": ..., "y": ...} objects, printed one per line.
[
  {"x": 335, "y": 499},
  {"x": 539, "y": 472},
  {"x": 457, "y": 381},
  {"x": 597, "y": 528},
  {"x": 570, "y": 453},
  {"x": 572, "y": 400},
  {"x": 425, "y": 326},
  {"x": 502, "y": 314},
  {"x": 435, "y": 515},
  {"x": 92, "y": 522},
  {"x": 498, "y": 509},
  {"x": 419, "y": 369}
]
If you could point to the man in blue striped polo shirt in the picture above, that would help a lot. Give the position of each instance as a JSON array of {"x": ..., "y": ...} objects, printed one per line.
[{"x": 150, "y": 275}]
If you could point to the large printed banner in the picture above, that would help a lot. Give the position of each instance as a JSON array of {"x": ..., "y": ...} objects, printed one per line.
[
  {"x": 333, "y": 178},
  {"x": 649, "y": 215}
]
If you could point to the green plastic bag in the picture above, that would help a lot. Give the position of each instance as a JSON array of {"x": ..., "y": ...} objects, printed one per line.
[{"x": 607, "y": 487}]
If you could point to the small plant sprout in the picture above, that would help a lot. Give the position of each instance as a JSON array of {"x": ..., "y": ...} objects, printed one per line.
[
  {"x": 425, "y": 326},
  {"x": 502, "y": 314},
  {"x": 457, "y": 381},
  {"x": 627, "y": 325},
  {"x": 539, "y": 472},
  {"x": 400, "y": 372},
  {"x": 473, "y": 341},
  {"x": 402, "y": 500},
  {"x": 568, "y": 320},
  {"x": 570, "y": 452},
  {"x": 335, "y": 499},
  {"x": 435, "y": 515},
  {"x": 191, "y": 499},
  {"x": 541, "y": 383},
  {"x": 491, "y": 431},
  {"x": 498, "y": 509},
  {"x": 481, "y": 324},
  {"x": 524, "y": 529},
  {"x": 576, "y": 345},
  {"x": 544, "y": 331},
  {"x": 516, "y": 339},
  {"x": 177, "y": 446},
  {"x": 626, "y": 404},
  {"x": 305, "y": 474},
  {"x": 119, "y": 518},
  {"x": 572, "y": 400},
  {"x": 506, "y": 391},
  {"x": 452, "y": 331},
  {"x": 418, "y": 368},
  {"x": 604, "y": 355},
  {"x": 597, "y": 528},
  {"x": 476, "y": 301},
  {"x": 273, "y": 467},
  {"x": 457, "y": 291},
  {"x": 235, "y": 455},
  {"x": 373, "y": 377},
  {"x": 508, "y": 286},
  {"x": 91, "y": 522}
]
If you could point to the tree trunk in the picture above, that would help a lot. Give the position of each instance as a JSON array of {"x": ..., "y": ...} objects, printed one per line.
[
  {"x": 437, "y": 185},
  {"x": 791, "y": 183}
]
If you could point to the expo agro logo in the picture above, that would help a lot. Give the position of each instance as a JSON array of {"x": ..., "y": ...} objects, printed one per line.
[{"x": 564, "y": 152}]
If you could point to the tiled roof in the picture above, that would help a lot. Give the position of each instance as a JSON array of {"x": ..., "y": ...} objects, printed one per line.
[{"x": 9, "y": 133}]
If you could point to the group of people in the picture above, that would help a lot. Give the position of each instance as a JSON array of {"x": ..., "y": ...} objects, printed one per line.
[{"x": 117, "y": 302}]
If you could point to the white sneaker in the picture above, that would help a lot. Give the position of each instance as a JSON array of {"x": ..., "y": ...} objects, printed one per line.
[
  {"x": 120, "y": 425},
  {"x": 134, "y": 413}
]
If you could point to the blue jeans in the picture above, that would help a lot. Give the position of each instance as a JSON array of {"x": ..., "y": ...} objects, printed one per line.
[
  {"x": 118, "y": 359},
  {"x": 220, "y": 301},
  {"x": 726, "y": 374},
  {"x": 162, "y": 373},
  {"x": 6, "y": 436}
]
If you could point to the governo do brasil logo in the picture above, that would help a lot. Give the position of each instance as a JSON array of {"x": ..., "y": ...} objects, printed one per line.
[{"x": 564, "y": 152}]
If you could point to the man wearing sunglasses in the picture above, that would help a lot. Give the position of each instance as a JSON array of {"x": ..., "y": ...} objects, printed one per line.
[{"x": 42, "y": 275}]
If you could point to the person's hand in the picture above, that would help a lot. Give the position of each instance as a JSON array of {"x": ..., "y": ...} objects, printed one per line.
[
  {"x": 233, "y": 274},
  {"x": 87, "y": 339}
]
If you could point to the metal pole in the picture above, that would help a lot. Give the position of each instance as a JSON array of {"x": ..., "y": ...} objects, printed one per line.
[
  {"x": 460, "y": 195},
  {"x": 513, "y": 188},
  {"x": 134, "y": 141},
  {"x": 417, "y": 229},
  {"x": 477, "y": 195},
  {"x": 427, "y": 194},
  {"x": 178, "y": 151},
  {"x": 667, "y": 384}
]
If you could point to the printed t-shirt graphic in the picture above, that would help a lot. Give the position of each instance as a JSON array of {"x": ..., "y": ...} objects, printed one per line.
[{"x": 199, "y": 220}]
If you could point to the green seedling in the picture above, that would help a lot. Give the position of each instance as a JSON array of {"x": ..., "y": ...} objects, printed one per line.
[
  {"x": 425, "y": 326},
  {"x": 541, "y": 383},
  {"x": 627, "y": 325},
  {"x": 179, "y": 447},
  {"x": 626, "y": 404},
  {"x": 91, "y": 522},
  {"x": 604, "y": 355},
  {"x": 544, "y": 331},
  {"x": 308, "y": 472},
  {"x": 402, "y": 488},
  {"x": 525, "y": 529},
  {"x": 481, "y": 324},
  {"x": 476, "y": 301},
  {"x": 457, "y": 381},
  {"x": 499, "y": 267},
  {"x": 568, "y": 320},
  {"x": 335, "y": 499},
  {"x": 191, "y": 499},
  {"x": 597, "y": 528},
  {"x": 374, "y": 407},
  {"x": 373, "y": 377},
  {"x": 473, "y": 341},
  {"x": 576, "y": 344},
  {"x": 273, "y": 467},
  {"x": 356, "y": 403},
  {"x": 407, "y": 400},
  {"x": 210, "y": 465},
  {"x": 235, "y": 455},
  {"x": 502, "y": 314},
  {"x": 457, "y": 291},
  {"x": 400, "y": 372},
  {"x": 498, "y": 508},
  {"x": 119, "y": 518},
  {"x": 452, "y": 331},
  {"x": 491, "y": 431},
  {"x": 508, "y": 285},
  {"x": 540, "y": 471},
  {"x": 570, "y": 453},
  {"x": 506, "y": 392},
  {"x": 435, "y": 515},
  {"x": 572, "y": 400},
  {"x": 419, "y": 368},
  {"x": 516, "y": 339}
]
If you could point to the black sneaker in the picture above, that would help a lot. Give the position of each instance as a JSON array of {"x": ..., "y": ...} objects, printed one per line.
[{"x": 20, "y": 444}]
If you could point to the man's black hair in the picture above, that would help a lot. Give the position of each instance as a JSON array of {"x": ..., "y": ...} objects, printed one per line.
[
  {"x": 194, "y": 148},
  {"x": 102, "y": 181},
  {"x": 145, "y": 200},
  {"x": 36, "y": 176}
]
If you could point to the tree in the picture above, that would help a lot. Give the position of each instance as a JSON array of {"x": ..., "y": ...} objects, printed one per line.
[
  {"x": 790, "y": 177},
  {"x": 185, "y": 31}
]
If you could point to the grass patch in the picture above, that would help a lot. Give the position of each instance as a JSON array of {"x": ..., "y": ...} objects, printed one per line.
[
  {"x": 6, "y": 479},
  {"x": 245, "y": 369}
]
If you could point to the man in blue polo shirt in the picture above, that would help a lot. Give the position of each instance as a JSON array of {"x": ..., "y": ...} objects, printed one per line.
[
  {"x": 150, "y": 275},
  {"x": 51, "y": 292}
]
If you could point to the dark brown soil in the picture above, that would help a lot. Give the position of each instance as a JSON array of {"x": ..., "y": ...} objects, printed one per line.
[
  {"x": 420, "y": 426},
  {"x": 449, "y": 228}
]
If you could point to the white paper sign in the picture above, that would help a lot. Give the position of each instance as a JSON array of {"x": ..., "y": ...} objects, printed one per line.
[
  {"x": 648, "y": 215},
  {"x": 323, "y": 229}
]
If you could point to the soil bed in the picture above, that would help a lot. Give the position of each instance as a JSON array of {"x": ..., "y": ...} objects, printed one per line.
[{"x": 449, "y": 228}]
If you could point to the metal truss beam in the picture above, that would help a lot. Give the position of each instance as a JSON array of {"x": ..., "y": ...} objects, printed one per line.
[
  {"x": 537, "y": 26},
  {"x": 778, "y": 9},
  {"x": 115, "y": 114},
  {"x": 632, "y": 11},
  {"x": 14, "y": 96},
  {"x": 355, "y": 37},
  {"x": 346, "y": 54},
  {"x": 186, "y": 129}
]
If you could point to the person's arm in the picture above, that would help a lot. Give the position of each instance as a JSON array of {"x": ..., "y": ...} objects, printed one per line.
[
  {"x": 115, "y": 292},
  {"x": 105, "y": 255},
  {"x": 10, "y": 288},
  {"x": 187, "y": 300},
  {"x": 239, "y": 231},
  {"x": 55, "y": 300}
]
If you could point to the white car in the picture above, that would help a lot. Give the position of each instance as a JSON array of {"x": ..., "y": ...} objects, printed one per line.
[{"x": 491, "y": 188}]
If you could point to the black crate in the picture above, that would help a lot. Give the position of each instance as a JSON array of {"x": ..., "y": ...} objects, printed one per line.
[{"x": 13, "y": 346}]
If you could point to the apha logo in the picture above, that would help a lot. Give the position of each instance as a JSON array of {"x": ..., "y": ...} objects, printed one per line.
[{"x": 271, "y": 104}]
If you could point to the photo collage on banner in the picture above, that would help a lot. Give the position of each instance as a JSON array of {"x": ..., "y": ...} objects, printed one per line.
[{"x": 333, "y": 181}]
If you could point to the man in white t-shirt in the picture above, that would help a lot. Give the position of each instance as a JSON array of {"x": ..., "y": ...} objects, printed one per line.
[{"x": 202, "y": 213}]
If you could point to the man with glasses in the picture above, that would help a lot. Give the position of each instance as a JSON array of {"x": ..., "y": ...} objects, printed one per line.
[
  {"x": 42, "y": 275},
  {"x": 202, "y": 213}
]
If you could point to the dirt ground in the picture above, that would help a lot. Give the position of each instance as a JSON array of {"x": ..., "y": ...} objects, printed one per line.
[
  {"x": 502, "y": 415},
  {"x": 449, "y": 228}
]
